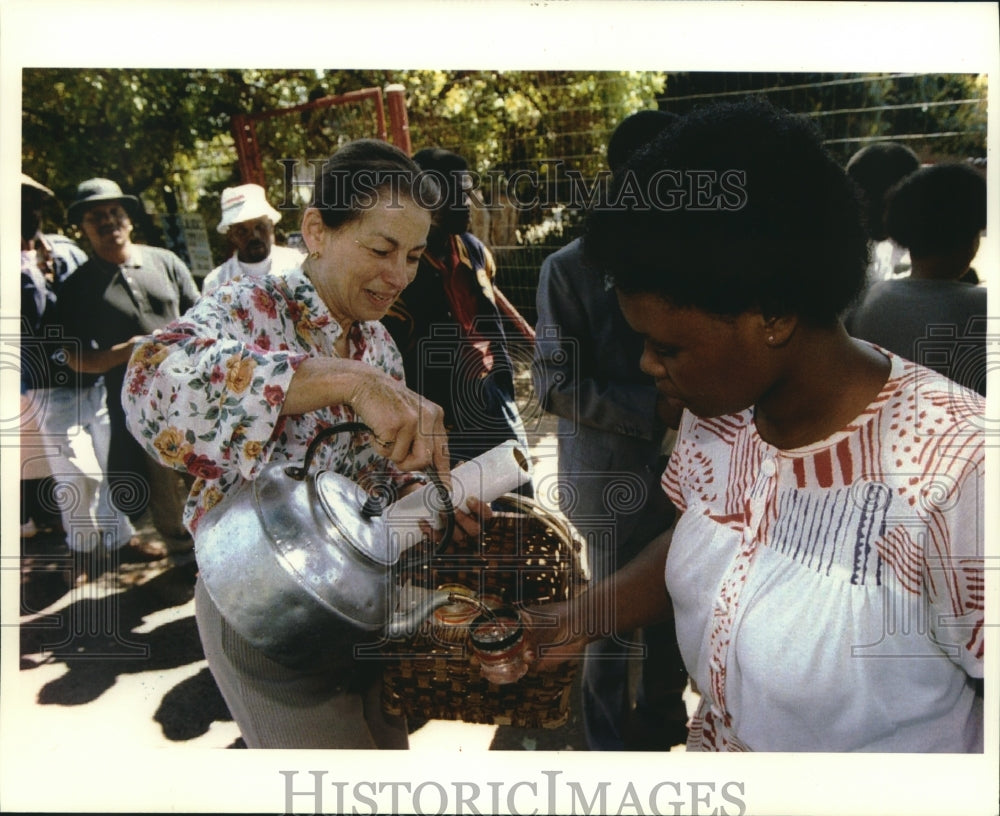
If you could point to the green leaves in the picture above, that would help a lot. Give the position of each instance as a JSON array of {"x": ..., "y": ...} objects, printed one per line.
[{"x": 147, "y": 128}]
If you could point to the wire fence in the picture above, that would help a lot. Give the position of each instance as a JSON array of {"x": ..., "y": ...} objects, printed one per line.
[
  {"x": 938, "y": 116},
  {"x": 537, "y": 139}
]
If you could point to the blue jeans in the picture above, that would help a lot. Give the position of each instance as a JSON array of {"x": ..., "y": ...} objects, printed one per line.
[
  {"x": 612, "y": 720},
  {"x": 489, "y": 418}
]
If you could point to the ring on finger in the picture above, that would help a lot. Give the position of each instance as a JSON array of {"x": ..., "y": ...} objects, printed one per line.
[{"x": 385, "y": 443}]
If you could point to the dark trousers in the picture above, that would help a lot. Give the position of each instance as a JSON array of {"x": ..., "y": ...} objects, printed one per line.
[
  {"x": 632, "y": 683},
  {"x": 140, "y": 483},
  {"x": 486, "y": 415}
]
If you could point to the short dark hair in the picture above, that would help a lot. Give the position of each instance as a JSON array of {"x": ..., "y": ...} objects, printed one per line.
[
  {"x": 789, "y": 240},
  {"x": 347, "y": 181},
  {"x": 937, "y": 210},
  {"x": 444, "y": 165},
  {"x": 636, "y": 131},
  {"x": 437, "y": 158},
  {"x": 875, "y": 168}
]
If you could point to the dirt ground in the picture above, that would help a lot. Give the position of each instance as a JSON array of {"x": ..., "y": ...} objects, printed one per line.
[
  {"x": 129, "y": 639},
  {"x": 138, "y": 625},
  {"x": 127, "y": 643}
]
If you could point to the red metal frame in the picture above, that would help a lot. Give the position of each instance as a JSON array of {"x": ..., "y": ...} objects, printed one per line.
[
  {"x": 245, "y": 130},
  {"x": 252, "y": 168}
]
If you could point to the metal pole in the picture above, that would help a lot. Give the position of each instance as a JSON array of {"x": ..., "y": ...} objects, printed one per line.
[
  {"x": 245, "y": 135},
  {"x": 398, "y": 121}
]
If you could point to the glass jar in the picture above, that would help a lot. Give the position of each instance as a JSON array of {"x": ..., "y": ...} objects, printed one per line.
[
  {"x": 451, "y": 623},
  {"x": 497, "y": 639},
  {"x": 491, "y": 600}
]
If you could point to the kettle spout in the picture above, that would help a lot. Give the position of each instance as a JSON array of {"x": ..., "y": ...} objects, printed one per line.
[{"x": 414, "y": 607}]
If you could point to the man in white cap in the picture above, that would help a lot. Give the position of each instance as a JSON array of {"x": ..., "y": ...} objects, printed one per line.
[{"x": 248, "y": 221}]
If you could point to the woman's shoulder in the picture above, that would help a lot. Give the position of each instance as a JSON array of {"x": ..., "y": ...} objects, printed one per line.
[
  {"x": 936, "y": 411},
  {"x": 292, "y": 284},
  {"x": 915, "y": 382}
]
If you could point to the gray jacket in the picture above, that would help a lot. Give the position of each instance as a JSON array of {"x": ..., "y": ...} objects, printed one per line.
[{"x": 586, "y": 371}]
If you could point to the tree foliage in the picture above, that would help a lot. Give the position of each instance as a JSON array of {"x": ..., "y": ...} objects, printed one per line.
[
  {"x": 935, "y": 114},
  {"x": 154, "y": 130}
]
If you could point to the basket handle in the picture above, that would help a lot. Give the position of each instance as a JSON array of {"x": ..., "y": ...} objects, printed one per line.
[{"x": 533, "y": 508}]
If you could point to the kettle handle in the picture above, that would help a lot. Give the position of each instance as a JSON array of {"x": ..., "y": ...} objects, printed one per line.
[
  {"x": 373, "y": 506},
  {"x": 301, "y": 472}
]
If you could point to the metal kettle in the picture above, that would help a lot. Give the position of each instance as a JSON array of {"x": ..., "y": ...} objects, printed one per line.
[{"x": 301, "y": 563}]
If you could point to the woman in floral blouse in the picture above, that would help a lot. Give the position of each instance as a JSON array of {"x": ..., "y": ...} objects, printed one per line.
[
  {"x": 826, "y": 570},
  {"x": 250, "y": 375}
]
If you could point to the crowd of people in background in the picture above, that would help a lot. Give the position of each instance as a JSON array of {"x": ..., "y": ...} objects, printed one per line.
[
  {"x": 701, "y": 358},
  {"x": 614, "y": 435}
]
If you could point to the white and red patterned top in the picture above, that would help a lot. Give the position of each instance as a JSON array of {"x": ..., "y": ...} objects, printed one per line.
[{"x": 830, "y": 598}]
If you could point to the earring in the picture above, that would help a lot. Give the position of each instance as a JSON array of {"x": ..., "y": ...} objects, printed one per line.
[
  {"x": 770, "y": 339},
  {"x": 314, "y": 254}
]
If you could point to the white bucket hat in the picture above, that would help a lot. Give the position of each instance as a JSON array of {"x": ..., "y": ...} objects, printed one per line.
[{"x": 244, "y": 203}]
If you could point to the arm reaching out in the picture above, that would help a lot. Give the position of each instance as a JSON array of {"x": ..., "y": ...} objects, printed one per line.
[{"x": 634, "y": 596}]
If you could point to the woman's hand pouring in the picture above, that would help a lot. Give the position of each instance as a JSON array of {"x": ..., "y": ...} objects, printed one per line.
[{"x": 407, "y": 428}]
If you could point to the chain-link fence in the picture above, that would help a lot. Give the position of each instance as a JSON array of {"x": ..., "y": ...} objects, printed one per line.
[
  {"x": 939, "y": 116},
  {"x": 538, "y": 139}
]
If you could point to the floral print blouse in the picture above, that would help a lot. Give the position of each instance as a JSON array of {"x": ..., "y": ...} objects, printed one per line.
[{"x": 205, "y": 394}]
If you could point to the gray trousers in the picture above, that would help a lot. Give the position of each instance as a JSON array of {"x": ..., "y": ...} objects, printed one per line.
[
  {"x": 280, "y": 707},
  {"x": 168, "y": 492}
]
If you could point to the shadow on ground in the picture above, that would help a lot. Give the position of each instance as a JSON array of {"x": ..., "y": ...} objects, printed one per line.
[{"x": 101, "y": 631}]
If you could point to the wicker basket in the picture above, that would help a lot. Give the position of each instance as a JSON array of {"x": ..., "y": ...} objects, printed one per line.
[{"x": 529, "y": 555}]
